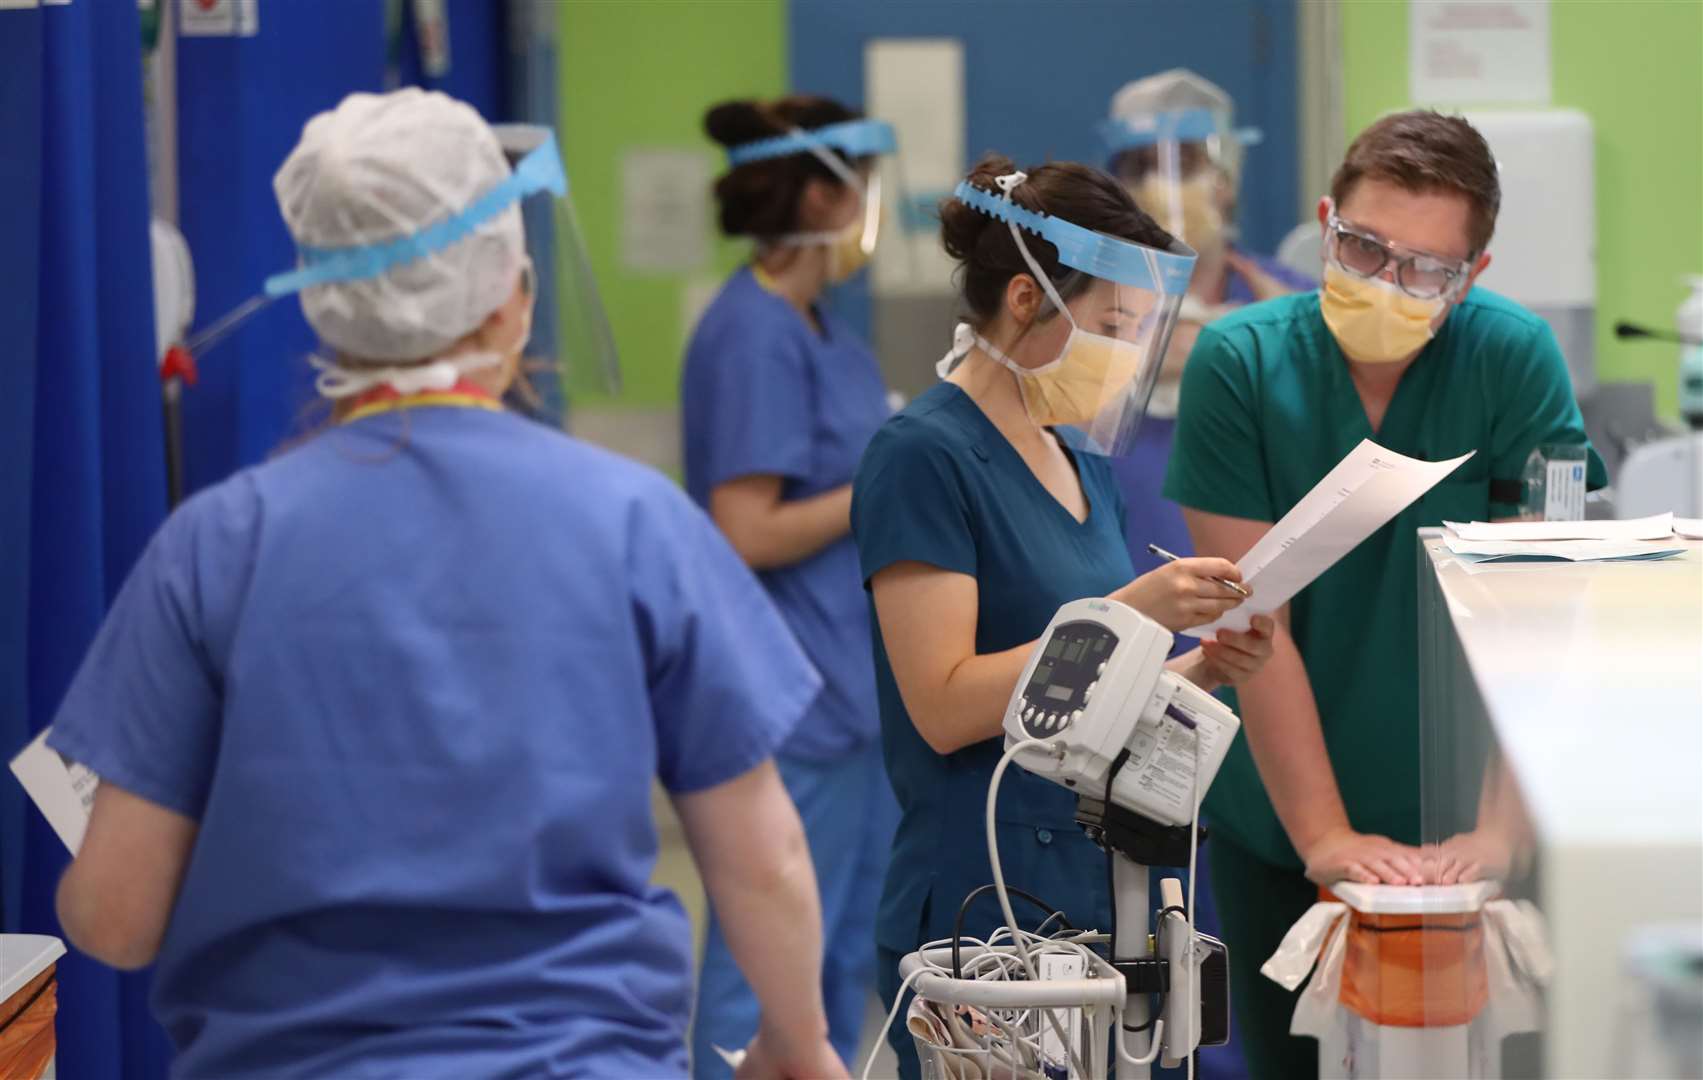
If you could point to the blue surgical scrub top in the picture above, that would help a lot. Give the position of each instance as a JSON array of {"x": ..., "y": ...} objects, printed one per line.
[
  {"x": 414, "y": 680},
  {"x": 940, "y": 485},
  {"x": 765, "y": 393}
]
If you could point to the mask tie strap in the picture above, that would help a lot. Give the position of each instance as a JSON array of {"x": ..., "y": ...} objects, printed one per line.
[{"x": 964, "y": 338}]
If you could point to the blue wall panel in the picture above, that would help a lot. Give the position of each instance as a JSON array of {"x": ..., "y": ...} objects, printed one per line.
[{"x": 1039, "y": 75}]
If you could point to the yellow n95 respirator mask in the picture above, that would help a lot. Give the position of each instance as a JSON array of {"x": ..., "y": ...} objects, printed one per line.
[
  {"x": 1189, "y": 208},
  {"x": 852, "y": 247},
  {"x": 1091, "y": 372},
  {"x": 1373, "y": 320}
]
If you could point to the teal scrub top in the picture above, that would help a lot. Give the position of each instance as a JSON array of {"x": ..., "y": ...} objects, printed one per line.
[
  {"x": 940, "y": 485},
  {"x": 1268, "y": 409}
]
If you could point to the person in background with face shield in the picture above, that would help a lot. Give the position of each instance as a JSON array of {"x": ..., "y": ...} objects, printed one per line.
[
  {"x": 1396, "y": 346},
  {"x": 778, "y": 400},
  {"x": 1173, "y": 144},
  {"x": 984, "y": 506},
  {"x": 1172, "y": 141},
  {"x": 376, "y": 764}
]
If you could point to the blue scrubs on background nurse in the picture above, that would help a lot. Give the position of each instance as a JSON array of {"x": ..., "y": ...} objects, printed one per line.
[
  {"x": 376, "y": 763},
  {"x": 985, "y": 505},
  {"x": 778, "y": 400}
]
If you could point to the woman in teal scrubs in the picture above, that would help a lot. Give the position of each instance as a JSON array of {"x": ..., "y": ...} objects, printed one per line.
[{"x": 985, "y": 505}]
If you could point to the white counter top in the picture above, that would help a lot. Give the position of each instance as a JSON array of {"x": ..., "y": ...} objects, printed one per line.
[
  {"x": 23, "y": 957},
  {"x": 1592, "y": 674}
]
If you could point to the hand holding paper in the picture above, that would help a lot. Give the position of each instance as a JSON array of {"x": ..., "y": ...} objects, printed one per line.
[
  {"x": 63, "y": 789},
  {"x": 1366, "y": 489}
]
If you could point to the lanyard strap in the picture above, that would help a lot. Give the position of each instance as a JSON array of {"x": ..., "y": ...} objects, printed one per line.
[{"x": 384, "y": 399}]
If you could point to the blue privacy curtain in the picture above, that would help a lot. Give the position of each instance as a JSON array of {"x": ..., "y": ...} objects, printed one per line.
[
  {"x": 83, "y": 482},
  {"x": 82, "y": 473}
]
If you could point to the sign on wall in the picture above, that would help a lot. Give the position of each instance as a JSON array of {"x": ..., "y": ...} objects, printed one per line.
[
  {"x": 917, "y": 85},
  {"x": 1478, "y": 52},
  {"x": 665, "y": 210}
]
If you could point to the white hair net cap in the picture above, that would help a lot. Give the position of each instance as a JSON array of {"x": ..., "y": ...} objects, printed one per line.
[
  {"x": 380, "y": 167},
  {"x": 1178, "y": 88}
]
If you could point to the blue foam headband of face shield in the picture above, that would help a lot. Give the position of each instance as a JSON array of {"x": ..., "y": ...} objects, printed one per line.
[
  {"x": 539, "y": 170},
  {"x": 1093, "y": 253},
  {"x": 854, "y": 138},
  {"x": 1179, "y": 125}
]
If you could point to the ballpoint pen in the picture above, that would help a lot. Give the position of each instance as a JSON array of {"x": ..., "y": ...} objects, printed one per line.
[{"x": 1160, "y": 552}]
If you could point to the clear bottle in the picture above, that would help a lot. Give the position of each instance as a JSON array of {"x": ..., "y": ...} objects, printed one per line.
[
  {"x": 1554, "y": 483},
  {"x": 1689, "y": 322}
]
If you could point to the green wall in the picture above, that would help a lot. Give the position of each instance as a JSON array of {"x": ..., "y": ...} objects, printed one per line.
[
  {"x": 640, "y": 73},
  {"x": 1635, "y": 67}
]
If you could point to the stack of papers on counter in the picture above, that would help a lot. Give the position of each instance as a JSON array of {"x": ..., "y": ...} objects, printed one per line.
[{"x": 1564, "y": 541}]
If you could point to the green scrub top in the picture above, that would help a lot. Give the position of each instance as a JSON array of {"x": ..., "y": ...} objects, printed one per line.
[
  {"x": 940, "y": 485},
  {"x": 1268, "y": 409}
]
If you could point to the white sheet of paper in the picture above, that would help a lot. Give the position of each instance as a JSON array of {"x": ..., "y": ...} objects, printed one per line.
[
  {"x": 1571, "y": 550},
  {"x": 62, "y": 789},
  {"x": 1658, "y": 527},
  {"x": 1354, "y": 500}
]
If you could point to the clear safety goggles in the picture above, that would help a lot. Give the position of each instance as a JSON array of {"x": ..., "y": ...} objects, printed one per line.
[
  {"x": 573, "y": 334},
  {"x": 861, "y": 145},
  {"x": 1364, "y": 254},
  {"x": 1121, "y": 301}
]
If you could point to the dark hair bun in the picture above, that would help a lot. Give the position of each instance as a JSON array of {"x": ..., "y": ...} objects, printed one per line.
[
  {"x": 734, "y": 123},
  {"x": 760, "y": 198},
  {"x": 961, "y": 226}
]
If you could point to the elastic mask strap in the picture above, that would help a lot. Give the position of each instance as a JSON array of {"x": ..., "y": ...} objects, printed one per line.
[
  {"x": 847, "y": 177},
  {"x": 964, "y": 337},
  {"x": 337, "y": 382},
  {"x": 1007, "y": 184}
]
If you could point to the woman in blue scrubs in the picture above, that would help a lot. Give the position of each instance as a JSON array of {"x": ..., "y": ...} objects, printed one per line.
[
  {"x": 778, "y": 400},
  {"x": 985, "y": 505},
  {"x": 377, "y": 762}
]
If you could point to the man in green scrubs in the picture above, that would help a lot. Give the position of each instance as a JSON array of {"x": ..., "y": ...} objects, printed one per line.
[{"x": 1395, "y": 346}]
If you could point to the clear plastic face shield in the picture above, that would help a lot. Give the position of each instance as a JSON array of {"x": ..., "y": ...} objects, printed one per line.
[
  {"x": 572, "y": 348},
  {"x": 857, "y": 153},
  {"x": 1182, "y": 166},
  {"x": 1102, "y": 331},
  {"x": 574, "y": 338}
]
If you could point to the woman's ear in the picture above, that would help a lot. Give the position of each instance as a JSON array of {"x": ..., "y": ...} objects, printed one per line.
[
  {"x": 816, "y": 203},
  {"x": 1022, "y": 299}
]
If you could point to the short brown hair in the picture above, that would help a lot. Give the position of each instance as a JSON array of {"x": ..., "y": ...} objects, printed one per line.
[{"x": 1424, "y": 151}]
